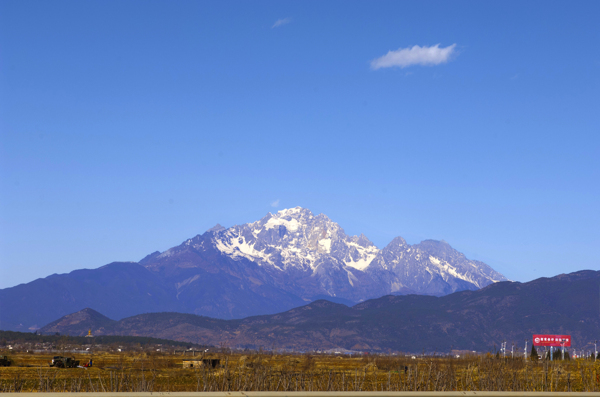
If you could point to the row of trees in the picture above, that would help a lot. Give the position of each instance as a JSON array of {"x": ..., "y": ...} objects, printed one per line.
[{"x": 556, "y": 355}]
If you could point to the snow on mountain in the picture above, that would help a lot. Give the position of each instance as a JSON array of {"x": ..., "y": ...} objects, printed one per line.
[
  {"x": 295, "y": 238},
  {"x": 277, "y": 263},
  {"x": 431, "y": 267},
  {"x": 295, "y": 256}
]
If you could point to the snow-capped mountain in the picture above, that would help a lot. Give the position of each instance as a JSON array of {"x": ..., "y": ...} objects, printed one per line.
[
  {"x": 431, "y": 267},
  {"x": 269, "y": 266},
  {"x": 311, "y": 256},
  {"x": 293, "y": 251},
  {"x": 294, "y": 244},
  {"x": 295, "y": 238}
]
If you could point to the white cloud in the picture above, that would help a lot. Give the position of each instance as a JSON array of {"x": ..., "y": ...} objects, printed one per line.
[
  {"x": 281, "y": 22},
  {"x": 416, "y": 55},
  {"x": 275, "y": 203}
]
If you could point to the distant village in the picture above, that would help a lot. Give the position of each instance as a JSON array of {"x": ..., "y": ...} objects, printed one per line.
[{"x": 21, "y": 342}]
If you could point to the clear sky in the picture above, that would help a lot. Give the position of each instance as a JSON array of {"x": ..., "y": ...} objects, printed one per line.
[{"x": 129, "y": 126}]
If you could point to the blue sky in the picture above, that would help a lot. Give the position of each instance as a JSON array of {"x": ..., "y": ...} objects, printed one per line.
[{"x": 127, "y": 127}]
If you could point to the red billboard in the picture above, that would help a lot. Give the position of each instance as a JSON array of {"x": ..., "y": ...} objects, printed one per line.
[{"x": 552, "y": 340}]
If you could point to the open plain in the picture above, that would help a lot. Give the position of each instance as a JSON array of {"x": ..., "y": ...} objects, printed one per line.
[{"x": 259, "y": 371}]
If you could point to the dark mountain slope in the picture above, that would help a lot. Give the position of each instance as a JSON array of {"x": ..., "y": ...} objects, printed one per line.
[
  {"x": 473, "y": 320},
  {"x": 71, "y": 323},
  {"x": 207, "y": 282},
  {"x": 119, "y": 289},
  {"x": 215, "y": 285},
  {"x": 279, "y": 262}
]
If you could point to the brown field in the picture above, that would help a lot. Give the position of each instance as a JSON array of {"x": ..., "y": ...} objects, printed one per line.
[{"x": 286, "y": 372}]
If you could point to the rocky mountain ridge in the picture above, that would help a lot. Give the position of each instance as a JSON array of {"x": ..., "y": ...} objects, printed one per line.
[
  {"x": 310, "y": 255},
  {"x": 279, "y": 262},
  {"x": 465, "y": 320}
]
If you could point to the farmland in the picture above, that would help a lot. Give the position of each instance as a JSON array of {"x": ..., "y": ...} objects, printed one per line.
[{"x": 259, "y": 371}]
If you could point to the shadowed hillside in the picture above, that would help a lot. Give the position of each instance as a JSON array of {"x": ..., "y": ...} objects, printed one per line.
[{"x": 471, "y": 320}]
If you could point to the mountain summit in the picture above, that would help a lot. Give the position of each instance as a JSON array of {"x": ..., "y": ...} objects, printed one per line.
[
  {"x": 296, "y": 238},
  {"x": 311, "y": 256},
  {"x": 279, "y": 262}
]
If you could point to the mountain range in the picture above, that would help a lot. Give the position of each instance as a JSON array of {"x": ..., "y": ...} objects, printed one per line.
[
  {"x": 466, "y": 320},
  {"x": 279, "y": 262}
]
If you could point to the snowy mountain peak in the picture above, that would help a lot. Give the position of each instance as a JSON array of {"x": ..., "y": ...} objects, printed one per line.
[
  {"x": 295, "y": 212},
  {"x": 295, "y": 238},
  {"x": 432, "y": 267},
  {"x": 309, "y": 255},
  {"x": 291, "y": 219}
]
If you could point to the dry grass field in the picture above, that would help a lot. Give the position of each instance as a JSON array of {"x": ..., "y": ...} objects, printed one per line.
[{"x": 276, "y": 372}]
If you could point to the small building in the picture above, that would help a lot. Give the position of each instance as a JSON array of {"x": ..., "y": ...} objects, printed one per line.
[
  {"x": 89, "y": 335},
  {"x": 206, "y": 362}
]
